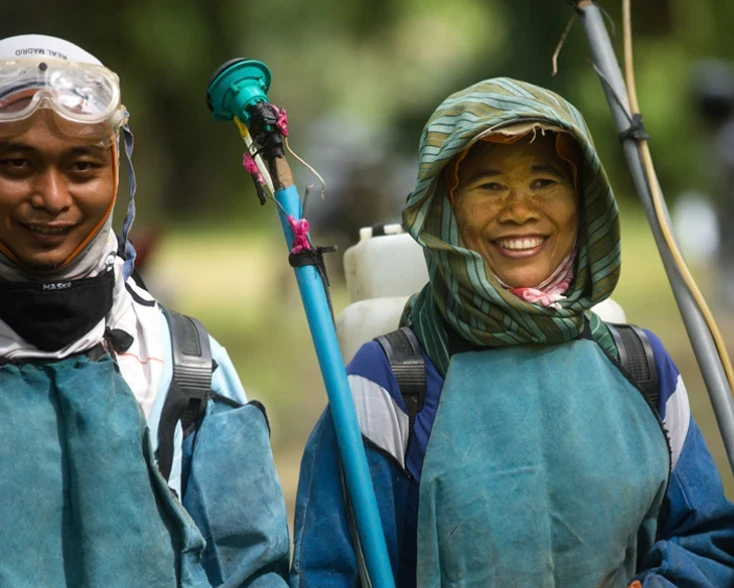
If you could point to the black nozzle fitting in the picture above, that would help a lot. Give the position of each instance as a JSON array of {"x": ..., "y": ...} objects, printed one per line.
[{"x": 265, "y": 131}]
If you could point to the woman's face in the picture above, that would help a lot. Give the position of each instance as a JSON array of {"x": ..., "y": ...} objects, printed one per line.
[{"x": 516, "y": 206}]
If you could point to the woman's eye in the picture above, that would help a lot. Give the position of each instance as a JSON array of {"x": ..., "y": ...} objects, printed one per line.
[
  {"x": 492, "y": 187},
  {"x": 542, "y": 183}
]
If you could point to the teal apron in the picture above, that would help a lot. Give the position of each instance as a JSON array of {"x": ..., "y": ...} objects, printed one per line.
[
  {"x": 83, "y": 504},
  {"x": 545, "y": 467}
]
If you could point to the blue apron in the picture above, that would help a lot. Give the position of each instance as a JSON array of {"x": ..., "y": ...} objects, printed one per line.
[
  {"x": 545, "y": 467},
  {"x": 83, "y": 504}
]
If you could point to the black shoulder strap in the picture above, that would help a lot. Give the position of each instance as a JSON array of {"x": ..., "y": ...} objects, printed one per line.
[
  {"x": 190, "y": 385},
  {"x": 636, "y": 356},
  {"x": 404, "y": 353}
]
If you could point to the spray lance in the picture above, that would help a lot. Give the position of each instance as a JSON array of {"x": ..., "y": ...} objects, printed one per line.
[
  {"x": 708, "y": 345},
  {"x": 238, "y": 92}
]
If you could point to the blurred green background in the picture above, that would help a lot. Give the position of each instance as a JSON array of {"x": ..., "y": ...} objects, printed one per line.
[{"x": 359, "y": 80}]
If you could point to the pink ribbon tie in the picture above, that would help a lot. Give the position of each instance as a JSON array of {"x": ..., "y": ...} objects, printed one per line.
[
  {"x": 282, "y": 122},
  {"x": 249, "y": 162},
  {"x": 300, "y": 235}
]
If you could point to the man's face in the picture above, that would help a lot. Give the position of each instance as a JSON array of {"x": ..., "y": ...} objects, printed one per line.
[
  {"x": 54, "y": 193},
  {"x": 516, "y": 206}
]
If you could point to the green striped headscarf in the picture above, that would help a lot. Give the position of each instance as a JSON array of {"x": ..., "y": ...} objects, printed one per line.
[{"x": 462, "y": 290}]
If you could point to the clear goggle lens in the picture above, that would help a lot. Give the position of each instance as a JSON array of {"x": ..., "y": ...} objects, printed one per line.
[{"x": 80, "y": 96}]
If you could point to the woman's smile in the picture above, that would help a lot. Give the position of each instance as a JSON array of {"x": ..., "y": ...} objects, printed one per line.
[{"x": 520, "y": 247}]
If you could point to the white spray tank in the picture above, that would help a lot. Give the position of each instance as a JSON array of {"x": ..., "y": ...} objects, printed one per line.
[
  {"x": 382, "y": 271},
  {"x": 386, "y": 262}
]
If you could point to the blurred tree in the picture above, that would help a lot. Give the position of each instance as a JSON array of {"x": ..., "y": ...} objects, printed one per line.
[
  {"x": 387, "y": 63},
  {"x": 164, "y": 53}
]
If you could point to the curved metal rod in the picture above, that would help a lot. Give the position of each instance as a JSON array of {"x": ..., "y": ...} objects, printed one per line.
[{"x": 709, "y": 362}]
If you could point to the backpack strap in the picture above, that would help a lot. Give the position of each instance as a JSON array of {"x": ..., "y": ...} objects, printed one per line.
[
  {"x": 637, "y": 358},
  {"x": 190, "y": 386},
  {"x": 404, "y": 353}
]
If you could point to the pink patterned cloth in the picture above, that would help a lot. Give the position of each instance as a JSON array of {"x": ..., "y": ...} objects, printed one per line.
[{"x": 552, "y": 290}]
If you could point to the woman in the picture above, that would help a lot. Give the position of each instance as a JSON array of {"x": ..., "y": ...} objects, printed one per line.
[{"x": 535, "y": 459}]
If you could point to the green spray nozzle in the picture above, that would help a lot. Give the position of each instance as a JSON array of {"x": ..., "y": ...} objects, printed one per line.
[{"x": 235, "y": 86}]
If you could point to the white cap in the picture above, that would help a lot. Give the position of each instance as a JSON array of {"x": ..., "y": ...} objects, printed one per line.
[
  {"x": 366, "y": 233},
  {"x": 45, "y": 47}
]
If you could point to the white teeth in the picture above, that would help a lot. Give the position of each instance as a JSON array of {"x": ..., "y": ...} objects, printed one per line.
[
  {"x": 47, "y": 230},
  {"x": 520, "y": 244}
]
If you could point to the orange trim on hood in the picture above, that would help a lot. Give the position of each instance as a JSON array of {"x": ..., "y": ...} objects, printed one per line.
[
  {"x": 566, "y": 149},
  {"x": 108, "y": 212}
]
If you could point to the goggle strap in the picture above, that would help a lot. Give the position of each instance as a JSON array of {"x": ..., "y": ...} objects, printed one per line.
[{"x": 129, "y": 141}]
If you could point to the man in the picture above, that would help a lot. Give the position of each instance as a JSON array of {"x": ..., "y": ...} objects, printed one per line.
[{"x": 112, "y": 475}]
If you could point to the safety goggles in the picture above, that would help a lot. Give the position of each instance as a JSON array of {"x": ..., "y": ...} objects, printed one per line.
[{"x": 84, "y": 98}]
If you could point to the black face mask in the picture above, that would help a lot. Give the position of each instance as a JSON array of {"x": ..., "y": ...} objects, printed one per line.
[{"x": 55, "y": 314}]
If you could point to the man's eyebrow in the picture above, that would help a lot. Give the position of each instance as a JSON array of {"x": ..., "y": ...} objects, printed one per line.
[
  {"x": 87, "y": 150},
  {"x": 484, "y": 174},
  {"x": 16, "y": 146}
]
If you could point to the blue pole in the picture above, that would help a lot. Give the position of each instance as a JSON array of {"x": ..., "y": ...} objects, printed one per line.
[
  {"x": 349, "y": 437},
  {"x": 235, "y": 91}
]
